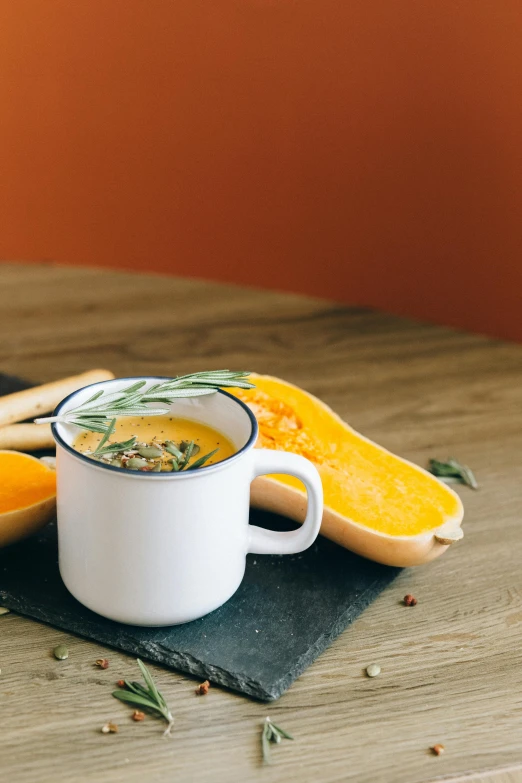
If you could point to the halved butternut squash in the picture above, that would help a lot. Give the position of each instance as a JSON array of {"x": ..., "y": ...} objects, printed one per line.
[
  {"x": 376, "y": 504},
  {"x": 27, "y": 495}
]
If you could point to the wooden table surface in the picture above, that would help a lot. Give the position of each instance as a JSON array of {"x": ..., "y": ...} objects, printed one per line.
[{"x": 451, "y": 666}]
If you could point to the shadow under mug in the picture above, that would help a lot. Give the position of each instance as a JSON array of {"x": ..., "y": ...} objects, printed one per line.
[{"x": 164, "y": 548}]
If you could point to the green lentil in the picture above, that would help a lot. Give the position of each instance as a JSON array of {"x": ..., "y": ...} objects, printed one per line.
[{"x": 61, "y": 652}]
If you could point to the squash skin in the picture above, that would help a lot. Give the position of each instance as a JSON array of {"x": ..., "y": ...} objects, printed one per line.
[
  {"x": 16, "y": 525},
  {"x": 23, "y": 522},
  {"x": 403, "y": 551}
]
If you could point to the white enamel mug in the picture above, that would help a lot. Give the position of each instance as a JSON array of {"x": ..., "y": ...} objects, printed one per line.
[{"x": 167, "y": 548}]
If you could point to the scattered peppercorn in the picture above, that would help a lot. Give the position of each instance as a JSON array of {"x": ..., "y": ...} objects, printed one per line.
[
  {"x": 437, "y": 750},
  {"x": 121, "y": 683},
  {"x": 109, "y": 728},
  {"x": 202, "y": 689},
  {"x": 410, "y": 600},
  {"x": 102, "y": 663},
  {"x": 373, "y": 670},
  {"x": 138, "y": 715}
]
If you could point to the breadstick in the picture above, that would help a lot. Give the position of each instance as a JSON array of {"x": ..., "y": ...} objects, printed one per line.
[
  {"x": 26, "y": 437},
  {"x": 42, "y": 399}
]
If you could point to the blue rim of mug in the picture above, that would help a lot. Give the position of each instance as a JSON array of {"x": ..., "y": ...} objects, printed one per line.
[{"x": 148, "y": 474}]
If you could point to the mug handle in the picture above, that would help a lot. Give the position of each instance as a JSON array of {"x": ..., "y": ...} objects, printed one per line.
[{"x": 271, "y": 542}]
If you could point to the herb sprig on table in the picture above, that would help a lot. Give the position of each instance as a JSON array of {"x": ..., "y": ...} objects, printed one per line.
[
  {"x": 453, "y": 472},
  {"x": 147, "y": 697},
  {"x": 97, "y": 412},
  {"x": 271, "y": 733}
]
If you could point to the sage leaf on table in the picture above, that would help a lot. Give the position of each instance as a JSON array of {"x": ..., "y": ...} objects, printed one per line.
[
  {"x": 271, "y": 733},
  {"x": 147, "y": 696},
  {"x": 453, "y": 472}
]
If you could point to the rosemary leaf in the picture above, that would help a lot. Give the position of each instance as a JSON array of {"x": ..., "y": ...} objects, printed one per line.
[
  {"x": 114, "y": 448},
  {"x": 265, "y": 742},
  {"x": 187, "y": 455},
  {"x": 135, "y": 698},
  {"x": 135, "y": 387},
  {"x": 454, "y": 470},
  {"x": 95, "y": 396},
  {"x": 101, "y": 444},
  {"x": 150, "y": 682},
  {"x": 177, "y": 393},
  {"x": 91, "y": 425},
  {"x": 281, "y": 731},
  {"x": 138, "y": 688},
  {"x": 150, "y": 698},
  {"x": 135, "y": 687},
  {"x": 201, "y": 461},
  {"x": 271, "y": 733}
]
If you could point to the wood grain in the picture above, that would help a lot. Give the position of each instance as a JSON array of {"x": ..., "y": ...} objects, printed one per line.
[
  {"x": 451, "y": 666},
  {"x": 511, "y": 775}
]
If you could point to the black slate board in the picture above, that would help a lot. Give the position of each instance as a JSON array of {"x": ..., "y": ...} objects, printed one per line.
[{"x": 286, "y": 612}]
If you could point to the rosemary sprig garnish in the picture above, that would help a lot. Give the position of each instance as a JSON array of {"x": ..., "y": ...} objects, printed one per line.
[
  {"x": 201, "y": 461},
  {"x": 114, "y": 448},
  {"x": 180, "y": 459},
  {"x": 134, "y": 401},
  {"x": 453, "y": 472},
  {"x": 103, "y": 441},
  {"x": 149, "y": 697},
  {"x": 271, "y": 733},
  {"x": 186, "y": 455}
]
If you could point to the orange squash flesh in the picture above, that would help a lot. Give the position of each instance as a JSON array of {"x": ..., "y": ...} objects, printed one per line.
[
  {"x": 377, "y": 504},
  {"x": 27, "y": 495}
]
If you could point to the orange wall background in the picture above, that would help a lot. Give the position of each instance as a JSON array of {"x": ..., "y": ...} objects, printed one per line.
[{"x": 363, "y": 150}]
